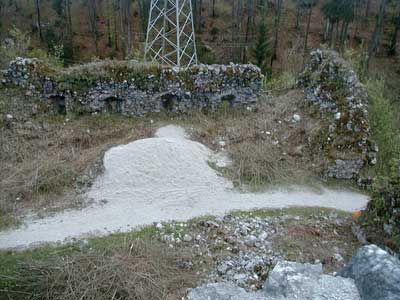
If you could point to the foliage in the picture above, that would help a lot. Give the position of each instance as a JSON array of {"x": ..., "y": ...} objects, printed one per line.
[
  {"x": 384, "y": 209},
  {"x": 385, "y": 206},
  {"x": 214, "y": 31},
  {"x": 58, "y": 44},
  {"x": 261, "y": 50},
  {"x": 383, "y": 122}
]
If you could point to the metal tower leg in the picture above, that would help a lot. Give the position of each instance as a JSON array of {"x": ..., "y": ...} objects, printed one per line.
[{"x": 170, "y": 35}]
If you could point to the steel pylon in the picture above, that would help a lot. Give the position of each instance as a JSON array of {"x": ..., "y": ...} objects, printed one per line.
[{"x": 170, "y": 35}]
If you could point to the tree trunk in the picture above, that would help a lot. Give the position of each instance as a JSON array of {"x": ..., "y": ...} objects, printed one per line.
[
  {"x": 393, "y": 41},
  {"x": 38, "y": 19},
  {"x": 307, "y": 30},
  {"x": 239, "y": 31},
  {"x": 213, "y": 8},
  {"x": 115, "y": 9},
  {"x": 93, "y": 22},
  {"x": 109, "y": 16},
  {"x": 278, "y": 13},
  {"x": 298, "y": 14},
  {"x": 343, "y": 39},
  {"x": 327, "y": 28},
  {"x": 250, "y": 17},
  {"x": 128, "y": 19},
  {"x": 376, "y": 37},
  {"x": 233, "y": 29},
  {"x": 200, "y": 8},
  {"x": 336, "y": 35},
  {"x": 122, "y": 28},
  {"x": 69, "y": 16},
  {"x": 367, "y": 8}
]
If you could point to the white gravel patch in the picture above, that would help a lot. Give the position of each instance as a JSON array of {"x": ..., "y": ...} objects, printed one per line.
[{"x": 160, "y": 179}]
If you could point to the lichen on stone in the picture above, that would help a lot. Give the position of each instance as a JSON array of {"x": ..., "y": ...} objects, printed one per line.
[{"x": 332, "y": 85}]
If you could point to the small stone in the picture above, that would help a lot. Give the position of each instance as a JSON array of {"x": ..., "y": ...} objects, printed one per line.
[
  {"x": 251, "y": 241},
  {"x": 296, "y": 118},
  {"x": 223, "y": 268},
  {"x": 187, "y": 238}
]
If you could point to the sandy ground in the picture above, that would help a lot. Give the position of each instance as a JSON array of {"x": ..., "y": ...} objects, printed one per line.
[{"x": 160, "y": 179}]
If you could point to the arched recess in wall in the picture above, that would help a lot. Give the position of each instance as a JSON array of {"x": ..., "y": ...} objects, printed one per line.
[
  {"x": 113, "y": 105},
  {"x": 59, "y": 104}
]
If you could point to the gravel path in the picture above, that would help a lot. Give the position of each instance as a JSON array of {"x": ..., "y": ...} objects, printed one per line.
[{"x": 159, "y": 179}]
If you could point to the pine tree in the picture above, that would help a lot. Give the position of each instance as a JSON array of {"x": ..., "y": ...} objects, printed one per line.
[{"x": 261, "y": 50}]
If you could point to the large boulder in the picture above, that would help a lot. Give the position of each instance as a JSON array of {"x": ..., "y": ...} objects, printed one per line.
[
  {"x": 288, "y": 280},
  {"x": 291, "y": 280},
  {"x": 222, "y": 291},
  {"x": 376, "y": 274}
]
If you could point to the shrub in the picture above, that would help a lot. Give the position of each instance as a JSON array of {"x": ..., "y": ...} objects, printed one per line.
[
  {"x": 383, "y": 123},
  {"x": 383, "y": 213},
  {"x": 214, "y": 31}
]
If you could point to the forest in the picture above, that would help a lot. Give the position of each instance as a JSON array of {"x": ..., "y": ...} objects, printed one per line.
[{"x": 264, "y": 32}]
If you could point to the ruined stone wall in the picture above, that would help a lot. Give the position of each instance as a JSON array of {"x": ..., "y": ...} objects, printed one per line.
[
  {"x": 332, "y": 85},
  {"x": 134, "y": 88}
]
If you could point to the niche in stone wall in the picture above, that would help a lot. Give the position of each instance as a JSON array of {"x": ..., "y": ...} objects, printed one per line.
[
  {"x": 58, "y": 103},
  {"x": 112, "y": 105},
  {"x": 168, "y": 101},
  {"x": 227, "y": 101}
]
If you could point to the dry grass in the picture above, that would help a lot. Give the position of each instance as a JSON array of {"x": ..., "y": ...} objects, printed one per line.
[
  {"x": 265, "y": 145},
  {"x": 46, "y": 156},
  {"x": 309, "y": 240},
  {"x": 142, "y": 270}
]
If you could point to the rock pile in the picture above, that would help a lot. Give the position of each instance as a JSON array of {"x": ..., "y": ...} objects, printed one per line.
[
  {"x": 20, "y": 71},
  {"x": 288, "y": 280},
  {"x": 335, "y": 88},
  {"x": 133, "y": 88},
  {"x": 241, "y": 248}
]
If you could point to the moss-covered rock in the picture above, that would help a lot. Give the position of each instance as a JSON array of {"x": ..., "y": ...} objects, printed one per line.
[{"x": 333, "y": 86}]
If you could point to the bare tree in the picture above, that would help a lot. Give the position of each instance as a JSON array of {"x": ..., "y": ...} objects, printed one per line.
[
  {"x": 92, "y": 10},
  {"x": 376, "y": 36},
  {"x": 310, "y": 11},
  {"x": 39, "y": 24},
  {"x": 277, "y": 21},
  {"x": 126, "y": 22},
  {"x": 249, "y": 26},
  {"x": 396, "y": 23},
  {"x": 367, "y": 8},
  {"x": 213, "y": 9}
]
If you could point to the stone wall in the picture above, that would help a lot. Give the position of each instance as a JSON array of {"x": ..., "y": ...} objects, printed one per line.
[
  {"x": 332, "y": 85},
  {"x": 134, "y": 88}
]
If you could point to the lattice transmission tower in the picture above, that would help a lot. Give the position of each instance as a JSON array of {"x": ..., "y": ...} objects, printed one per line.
[{"x": 170, "y": 35}]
